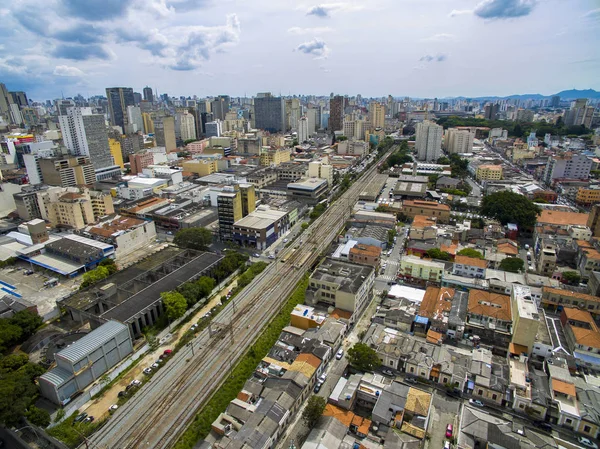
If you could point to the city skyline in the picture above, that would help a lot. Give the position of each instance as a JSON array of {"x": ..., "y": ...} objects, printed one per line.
[{"x": 428, "y": 48}]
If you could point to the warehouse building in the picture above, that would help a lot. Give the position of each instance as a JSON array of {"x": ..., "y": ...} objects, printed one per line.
[{"x": 85, "y": 361}]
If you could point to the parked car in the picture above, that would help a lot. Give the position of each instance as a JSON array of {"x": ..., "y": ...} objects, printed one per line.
[
  {"x": 543, "y": 425},
  {"x": 89, "y": 419},
  {"x": 446, "y": 444},
  {"x": 113, "y": 408},
  {"x": 123, "y": 393},
  {"x": 155, "y": 366},
  {"x": 318, "y": 387},
  {"x": 476, "y": 402},
  {"x": 256, "y": 255},
  {"x": 80, "y": 417},
  {"x": 285, "y": 240},
  {"x": 339, "y": 354},
  {"x": 449, "y": 430},
  {"x": 410, "y": 380},
  {"x": 148, "y": 370},
  {"x": 194, "y": 327},
  {"x": 323, "y": 377},
  {"x": 135, "y": 383},
  {"x": 167, "y": 351},
  {"x": 587, "y": 442},
  {"x": 388, "y": 372}
]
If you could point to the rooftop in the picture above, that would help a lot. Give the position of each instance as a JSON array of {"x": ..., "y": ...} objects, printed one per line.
[
  {"x": 437, "y": 302},
  {"x": 426, "y": 205},
  {"x": 118, "y": 224},
  {"x": 92, "y": 341},
  {"x": 562, "y": 218},
  {"x": 471, "y": 261},
  {"x": 348, "y": 276},
  {"x": 490, "y": 304}
]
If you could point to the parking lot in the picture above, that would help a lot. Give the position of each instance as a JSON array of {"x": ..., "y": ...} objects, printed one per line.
[
  {"x": 444, "y": 411},
  {"x": 32, "y": 288}
]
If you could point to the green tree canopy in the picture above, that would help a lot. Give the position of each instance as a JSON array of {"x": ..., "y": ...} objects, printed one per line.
[
  {"x": 436, "y": 253},
  {"x": 313, "y": 410},
  {"x": 363, "y": 358},
  {"x": 17, "y": 390},
  {"x": 512, "y": 264},
  {"x": 175, "y": 304},
  {"x": 93, "y": 276},
  {"x": 470, "y": 252},
  {"x": 110, "y": 265},
  {"x": 571, "y": 277},
  {"x": 38, "y": 416},
  {"x": 510, "y": 207},
  {"x": 193, "y": 238}
]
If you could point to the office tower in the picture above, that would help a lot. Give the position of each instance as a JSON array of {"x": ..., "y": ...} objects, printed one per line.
[
  {"x": 377, "y": 115},
  {"x": 348, "y": 126},
  {"x": 148, "y": 95},
  {"x": 67, "y": 171},
  {"x": 392, "y": 106},
  {"x": 135, "y": 121},
  {"x": 588, "y": 115},
  {"x": 312, "y": 117},
  {"x": 220, "y": 107},
  {"x": 203, "y": 106},
  {"x": 85, "y": 134},
  {"x": 593, "y": 221},
  {"x": 137, "y": 98},
  {"x": 116, "y": 152},
  {"x": 429, "y": 141},
  {"x": 248, "y": 194},
  {"x": 458, "y": 141},
  {"x": 131, "y": 143},
  {"x": 148, "y": 123},
  {"x": 213, "y": 129},
  {"x": 555, "y": 101},
  {"x": 303, "y": 129},
  {"x": 187, "y": 126},
  {"x": 118, "y": 100},
  {"x": 164, "y": 133},
  {"x": 5, "y": 101},
  {"x": 233, "y": 204},
  {"x": 205, "y": 117},
  {"x": 491, "y": 111},
  {"x": 62, "y": 106},
  {"x": 269, "y": 113},
  {"x": 292, "y": 113},
  {"x": 336, "y": 113},
  {"x": 20, "y": 98}
]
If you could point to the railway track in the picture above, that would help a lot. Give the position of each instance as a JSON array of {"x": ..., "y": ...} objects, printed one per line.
[{"x": 167, "y": 404}]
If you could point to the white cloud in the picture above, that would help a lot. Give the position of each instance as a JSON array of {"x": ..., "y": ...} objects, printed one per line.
[
  {"x": 324, "y": 10},
  {"x": 440, "y": 38},
  {"x": 317, "y": 48},
  {"x": 313, "y": 31},
  {"x": 65, "y": 70},
  {"x": 460, "y": 12}
]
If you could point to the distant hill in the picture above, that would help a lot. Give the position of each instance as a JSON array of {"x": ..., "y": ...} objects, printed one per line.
[
  {"x": 575, "y": 93},
  {"x": 564, "y": 95}
]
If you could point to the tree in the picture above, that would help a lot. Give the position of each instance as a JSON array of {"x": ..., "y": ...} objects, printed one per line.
[
  {"x": 510, "y": 207},
  {"x": 391, "y": 234},
  {"x": 304, "y": 226},
  {"x": 110, "y": 265},
  {"x": 313, "y": 410},
  {"x": 436, "y": 253},
  {"x": 512, "y": 264},
  {"x": 193, "y": 238},
  {"x": 10, "y": 334},
  {"x": 17, "y": 392},
  {"x": 571, "y": 277},
  {"x": 363, "y": 358},
  {"x": 93, "y": 276},
  {"x": 175, "y": 304},
  {"x": 38, "y": 416},
  {"x": 470, "y": 252},
  {"x": 443, "y": 161},
  {"x": 28, "y": 321}
]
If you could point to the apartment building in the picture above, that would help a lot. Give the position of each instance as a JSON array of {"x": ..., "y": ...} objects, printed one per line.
[
  {"x": 67, "y": 171},
  {"x": 588, "y": 196},
  {"x": 567, "y": 166},
  {"x": 556, "y": 298},
  {"x": 489, "y": 317},
  {"x": 201, "y": 167},
  {"x": 412, "y": 267},
  {"x": 488, "y": 172},
  {"x": 272, "y": 157},
  {"x": 458, "y": 141},
  {"x": 469, "y": 267},
  {"x": 525, "y": 317}
]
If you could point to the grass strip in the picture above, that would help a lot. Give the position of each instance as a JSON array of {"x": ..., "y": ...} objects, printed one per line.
[{"x": 201, "y": 425}]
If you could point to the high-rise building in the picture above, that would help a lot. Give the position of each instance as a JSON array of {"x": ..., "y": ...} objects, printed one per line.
[
  {"x": 312, "y": 115},
  {"x": 148, "y": 123},
  {"x": 303, "y": 129},
  {"x": 428, "y": 141},
  {"x": 348, "y": 127},
  {"x": 292, "y": 113},
  {"x": 593, "y": 221},
  {"x": 336, "y": 113},
  {"x": 491, "y": 111},
  {"x": 5, "y": 102},
  {"x": 62, "y": 106},
  {"x": 116, "y": 152},
  {"x": 233, "y": 204},
  {"x": 567, "y": 166},
  {"x": 20, "y": 98},
  {"x": 213, "y": 129},
  {"x": 67, "y": 171},
  {"x": 137, "y": 98},
  {"x": 555, "y": 101},
  {"x": 164, "y": 133},
  {"x": 458, "y": 141},
  {"x": 187, "y": 126},
  {"x": 135, "y": 122},
  {"x": 269, "y": 113},
  {"x": 85, "y": 134},
  {"x": 377, "y": 114},
  {"x": 118, "y": 100},
  {"x": 148, "y": 95},
  {"x": 220, "y": 107},
  {"x": 588, "y": 116}
]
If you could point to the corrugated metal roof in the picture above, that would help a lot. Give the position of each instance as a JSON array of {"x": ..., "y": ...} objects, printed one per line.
[
  {"x": 91, "y": 341},
  {"x": 57, "y": 376}
]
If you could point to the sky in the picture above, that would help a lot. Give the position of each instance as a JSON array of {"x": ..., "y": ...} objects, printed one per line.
[{"x": 418, "y": 48}]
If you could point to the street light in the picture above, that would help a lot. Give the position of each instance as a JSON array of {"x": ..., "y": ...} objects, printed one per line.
[{"x": 191, "y": 344}]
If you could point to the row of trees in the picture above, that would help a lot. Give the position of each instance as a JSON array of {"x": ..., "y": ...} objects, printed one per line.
[{"x": 18, "y": 328}]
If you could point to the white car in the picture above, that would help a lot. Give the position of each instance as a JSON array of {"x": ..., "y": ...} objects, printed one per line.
[
  {"x": 587, "y": 442},
  {"x": 285, "y": 240},
  {"x": 323, "y": 377},
  {"x": 339, "y": 354}
]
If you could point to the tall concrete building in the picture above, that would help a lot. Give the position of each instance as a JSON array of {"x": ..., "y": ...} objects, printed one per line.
[
  {"x": 118, "y": 100},
  {"x": 491, "y": 111},
  {"x": 67, "y": 171},
  {"x": 233, "y": 204},
  {"x": 85, "y": 134},
  {"x": 303, "y": 129},
  {"x": 429, "y": 141},
  {"x": 567, "y": 166},
  {"x": 292, "y": 113},
  {"x": 593, "y": 221},
  {"x": 164, "y": 133},
  {"x": 312, "y": 115},
  {"x": 269, "y": 113},
  {"x": 377, "y": 114},
  {"x": 62, "y": 106},
  {"x": 135, "y": 122},
  {"x": 20, "y": 98},
  {"x": 220, "y": 107},
  {"x": 458, "y": 141},
  {"x": 187, "y": 126},
  {"x": 336, "y": 113},
  {"x": 5, "y": 102},
  {"x": 148, "y": 95}
]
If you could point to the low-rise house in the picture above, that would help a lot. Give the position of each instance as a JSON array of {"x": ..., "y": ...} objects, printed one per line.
[
  {"x": 423, "y": 228},
  {"x": 525, "y": 396},
  {"x": 488, "y": 377},
  {"x": 588, "y": 397},
  {"x": 365, "y": 255},
  {"x": 469, "y": 267},
  {"x": 489, "y": 317},
  {"x": 412, "y": 208},
  {"x": 556, "y": 298},
  {"x": 564, "y": 409},
  {"x": 583, "y": 337},
  {"x": 412, "y": 267},
  {"x": 437, "y": 306}
]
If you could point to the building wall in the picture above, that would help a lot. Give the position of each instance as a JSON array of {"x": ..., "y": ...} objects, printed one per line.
[
  {"x": 201, "y": 168},
  {"x": 134, "y": 239},
  {"x": 486, "y": 172},
  {"x": 116, "y": 152}
]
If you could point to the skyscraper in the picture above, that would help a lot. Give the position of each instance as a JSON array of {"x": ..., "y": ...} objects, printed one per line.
[
  {"x": 220, "y": 107},
  {"x": 135, "y": 122},
  {"x": 118, "y": 100},
  {"x": 429, "y": 141},
  {"x": 85, "y": 134},
  {"x": 292, "y": 113},
  {"x": 303, "y": 129},
  {"x": 148, "y": 95},
  {"x": 458, "y": 141},
  {"x": 187, "y": 126},
  {"x": 491, "y": 111},
  {"x": 377, "y": 114},
  {"x": 269, "y": 113},
  {"x": 164, "y": 133},
  {"x": 555, "y": 101},
  {"x": 336, "y": 113},
  {"x": 5, "y": 101},
  {"x": 20, "y": 98}
]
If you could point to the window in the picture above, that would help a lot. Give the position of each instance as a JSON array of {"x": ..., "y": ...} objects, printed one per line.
[
  {"x": 494, "y": 397},
  {"x": 587, "y": 429},
  {"x": 480, "y": 392},
  {"x": 568, "y": 421}
]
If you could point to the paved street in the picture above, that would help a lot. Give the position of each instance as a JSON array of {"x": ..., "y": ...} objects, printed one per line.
[{"x": 444, "y": 411}]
